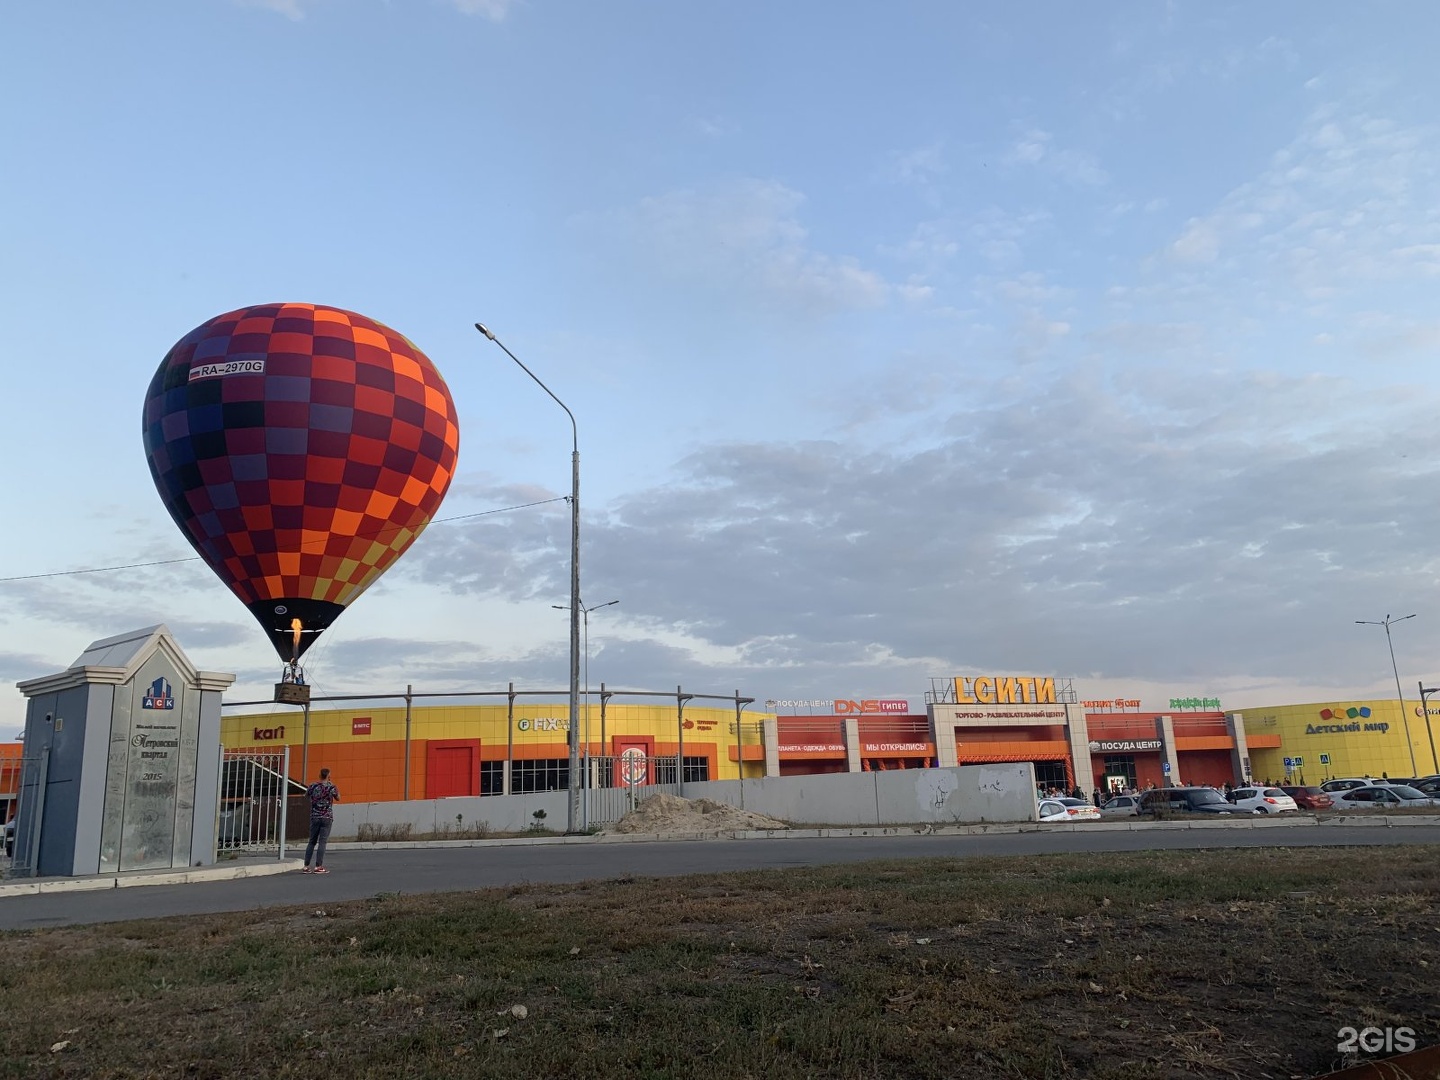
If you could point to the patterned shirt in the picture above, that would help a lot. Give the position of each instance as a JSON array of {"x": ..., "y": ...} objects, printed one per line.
[{"x": 322, "y": 794}]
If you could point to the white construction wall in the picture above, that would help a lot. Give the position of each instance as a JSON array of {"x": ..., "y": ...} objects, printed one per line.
[{"x": 960, "y": 795}]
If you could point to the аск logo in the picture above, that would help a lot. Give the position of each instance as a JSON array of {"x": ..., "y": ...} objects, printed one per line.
[{"x": 160, "y": 696}]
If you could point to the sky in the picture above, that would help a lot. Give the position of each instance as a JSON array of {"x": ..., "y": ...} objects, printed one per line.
[{"x": 904, "y": 340}]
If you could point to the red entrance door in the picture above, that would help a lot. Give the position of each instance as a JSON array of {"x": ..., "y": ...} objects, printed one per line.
[{"x": 452, "y": 768}]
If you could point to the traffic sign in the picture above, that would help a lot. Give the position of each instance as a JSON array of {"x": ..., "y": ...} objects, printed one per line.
[
  {"x": 1324, "y": 759},
  {"x": 1289, "y": 762},
  {"x": 1299, "y": 762},
  {"x": 1165, "y": 768}
]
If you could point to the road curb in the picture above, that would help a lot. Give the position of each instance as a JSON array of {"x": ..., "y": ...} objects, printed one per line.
[{"x": 140, "y": 878}]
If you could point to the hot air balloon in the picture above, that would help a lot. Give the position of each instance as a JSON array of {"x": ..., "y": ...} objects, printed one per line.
[{"x": 301, "y": 449}]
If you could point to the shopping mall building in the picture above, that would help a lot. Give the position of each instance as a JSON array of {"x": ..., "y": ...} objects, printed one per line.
[{"x": 418, "y": 751}]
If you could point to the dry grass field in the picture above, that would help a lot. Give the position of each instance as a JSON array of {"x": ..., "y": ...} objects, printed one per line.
[{"x": 1177, "y": 964}]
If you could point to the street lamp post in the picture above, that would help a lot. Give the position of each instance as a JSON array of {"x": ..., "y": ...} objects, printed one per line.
[
  {"x": 585, "y": 619},
  {"x": 573, "y": 802},
  {"x": 1425, "y": 692},
  {"x": 1398, "y": 692}
]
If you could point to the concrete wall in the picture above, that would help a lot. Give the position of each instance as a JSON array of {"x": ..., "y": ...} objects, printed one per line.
[
  {"x": 500, "y": 813},
  {"x": 969, "y": 793}
]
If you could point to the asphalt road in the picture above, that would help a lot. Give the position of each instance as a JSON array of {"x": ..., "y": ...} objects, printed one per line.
[{"x": 356, "y": 874}]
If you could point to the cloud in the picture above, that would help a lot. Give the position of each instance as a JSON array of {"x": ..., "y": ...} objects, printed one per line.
[
  {"x": 1135, "y": 526},
  {"x": 291, "y": 9},
  {"x": 1149, "y": 525},
  {"x": 746, "y": 237},
  {"x": 1346, "y": 204},
  {"x": 920, "y": 168},
  {"x": 1199, "y": 243},
  {"x": 494, "y": 10},
  {"x": 1037, "y": 148}
]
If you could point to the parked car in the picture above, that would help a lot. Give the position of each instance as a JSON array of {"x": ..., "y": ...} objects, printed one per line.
[
  {"x": 1309, "y": 797},
  {"x": 1067, "y": 809},
  {"x": 1349, "y": 783},
  {"x": 1429, "y": 786},
  {"x": 1121, "y": 806},
  {"x": 1268, "y": 800},
  {"x": 1383, "y": 797},
  {"x": 1188, "y": 800}
]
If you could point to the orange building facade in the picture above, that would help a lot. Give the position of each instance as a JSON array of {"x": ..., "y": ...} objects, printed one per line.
[
  {"x": 1092, "y": 745},
  {"x": 436, "y": 751}
]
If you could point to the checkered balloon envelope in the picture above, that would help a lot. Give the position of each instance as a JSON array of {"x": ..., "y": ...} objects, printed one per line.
[{"x": 301, "y": 449}]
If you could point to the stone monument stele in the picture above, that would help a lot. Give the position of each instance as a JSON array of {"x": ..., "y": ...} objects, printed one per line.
[{"x": 121, "y": 761}]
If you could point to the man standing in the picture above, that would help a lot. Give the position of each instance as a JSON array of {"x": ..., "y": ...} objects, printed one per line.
[{"x": 323, "y": 795}]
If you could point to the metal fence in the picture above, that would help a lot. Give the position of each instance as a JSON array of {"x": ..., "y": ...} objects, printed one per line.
[
  {"x": 253, "y": 804},
  {"x": 614, "y": 784}
]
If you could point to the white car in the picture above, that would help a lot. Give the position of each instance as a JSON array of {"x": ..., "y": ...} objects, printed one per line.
[
  {"x": 1121, "y": 806},
  {"x": 1067, "y": 810},
  {"x": 1349, "y": 783},
  {"x": 1382, "y": 797},
  {"x": 1268, "y": 800}
]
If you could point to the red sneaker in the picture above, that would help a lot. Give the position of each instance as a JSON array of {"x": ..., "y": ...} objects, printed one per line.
[{"x": 319, "y": 870}]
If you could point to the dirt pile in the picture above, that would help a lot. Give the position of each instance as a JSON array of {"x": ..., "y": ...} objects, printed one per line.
[{"x": 662, "y": 813}]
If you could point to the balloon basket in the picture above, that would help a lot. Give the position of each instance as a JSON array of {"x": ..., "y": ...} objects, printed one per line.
[{"x": 289, "y": 693}]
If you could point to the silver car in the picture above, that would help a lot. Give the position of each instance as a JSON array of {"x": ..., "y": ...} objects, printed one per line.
[
  {"x": 1121, "y": 806},
  {"x": 1382, "y": 797}
]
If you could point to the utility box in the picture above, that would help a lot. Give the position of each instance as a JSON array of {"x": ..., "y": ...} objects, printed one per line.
[{"x": 122, "y": 761}]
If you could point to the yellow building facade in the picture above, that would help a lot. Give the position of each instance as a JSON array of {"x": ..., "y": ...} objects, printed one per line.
[
  {"x": 1343, "y": 738},
  {"x": 436, "y": 751}
]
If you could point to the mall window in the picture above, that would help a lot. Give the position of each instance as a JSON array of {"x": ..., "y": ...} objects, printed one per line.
[
  {"x": 697, "y": 769},
  {"x": 1050, "y": 774},
  {"x": 545, "y": 774},
  {"x": 1121, "y": 766},
  {"x": 492, "y": 778}
]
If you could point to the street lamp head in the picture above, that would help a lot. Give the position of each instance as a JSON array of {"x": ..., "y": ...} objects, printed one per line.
[{"x": 484, "y": 330}]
